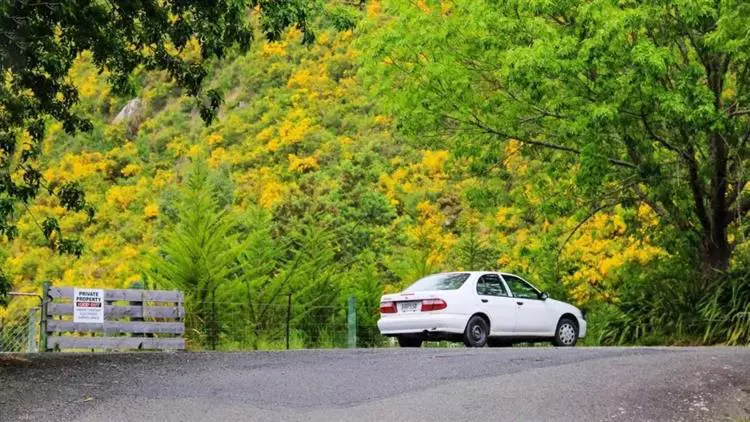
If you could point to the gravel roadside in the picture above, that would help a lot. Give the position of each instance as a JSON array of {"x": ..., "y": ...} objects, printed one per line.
[{"x": 377, "y": 384}]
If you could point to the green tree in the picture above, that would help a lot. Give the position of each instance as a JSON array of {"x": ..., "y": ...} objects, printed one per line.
[
  {"x": 317, "y": 284},
  {"x": 473, "y": 251},
  {"x": 263, "y": 277},
  {"x": 367, "y": 288},
  {"x": 39, "y": 42},
  {"x": 199, "y": 252},
  {"x": 649, "y": 99}
]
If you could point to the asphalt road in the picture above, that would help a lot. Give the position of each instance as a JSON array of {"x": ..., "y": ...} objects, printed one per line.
[{"x": 515, "y": 384}]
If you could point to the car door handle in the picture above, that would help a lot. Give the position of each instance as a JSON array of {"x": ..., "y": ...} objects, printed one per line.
[
  {"x": 519, "y": 303},
  {"x": 485, "y": 300}
]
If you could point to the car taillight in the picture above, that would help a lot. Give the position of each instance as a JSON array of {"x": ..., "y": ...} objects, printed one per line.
[
  {"x": 433, "y": 305},
  {"x": 387, "y": 308}
]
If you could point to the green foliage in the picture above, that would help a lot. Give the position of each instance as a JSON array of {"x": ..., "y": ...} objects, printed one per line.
[
  {"x": 669, "y": 311},
  {"x": 41, "y": 43},
  {"x": 4, "y": 288},
  {"x": 342, "y": 18},
  {"x": 379, "y": 152},
  {"x": 367, "y": 290},
  {"x": 655, "y": 312},
  {"x": 642, "y": 98},
  {"x": 725, "y": 312},
  {"x": 199, "y": 252},
  {"x": 317, "y": 283},
  {"x": 473, "y": 251}
]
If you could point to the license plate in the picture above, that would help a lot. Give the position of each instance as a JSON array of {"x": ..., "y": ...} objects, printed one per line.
[{"x": 408, "y": 306}]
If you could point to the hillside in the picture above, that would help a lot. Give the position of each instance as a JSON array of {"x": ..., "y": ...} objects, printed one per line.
[{"x": 319, "y": 192}]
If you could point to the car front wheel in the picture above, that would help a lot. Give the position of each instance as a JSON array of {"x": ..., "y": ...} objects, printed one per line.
[
  {"x": 476, "y": 332},
  {"x": 566, "y": 334}
]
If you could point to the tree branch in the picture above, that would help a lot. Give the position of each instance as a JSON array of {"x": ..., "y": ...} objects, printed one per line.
[
  {"x": 479, "y": 124},
  {"x": 734, "y": 194},
  {"x": 741, "y": 209},
  {"x": 697, "y": 191},
  {"x": 656, "y": 137}
]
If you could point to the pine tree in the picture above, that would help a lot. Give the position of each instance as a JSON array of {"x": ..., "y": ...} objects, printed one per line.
[{"x": 199, "y": 251}]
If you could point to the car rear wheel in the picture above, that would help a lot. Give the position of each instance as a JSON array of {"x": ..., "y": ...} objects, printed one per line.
[
  {"x": 476, "y": 332},
  {"x": 566, "y": 334},
  {"x": 409, "y": 341}
]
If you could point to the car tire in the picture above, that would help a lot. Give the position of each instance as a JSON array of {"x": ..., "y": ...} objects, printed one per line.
[
  {"x": 498, "y": 342},
  {"x": 566, "y": 334},
  {"x": 409, "y": 341},
  {"x": 476, "y": 332}
]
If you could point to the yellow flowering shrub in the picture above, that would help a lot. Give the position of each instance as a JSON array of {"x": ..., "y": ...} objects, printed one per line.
[
  {"x": 601, "y": 249},
  {"x": 428, "y": 234},
  {"x": 274, "y": 49},
  {"x": 121, "y": 196},
  {"x": 302, "y": 165},
  {"x": 130, "y": 170},
  {"x": 214, "y": 139},
  {"x": 151, "y": 210}
]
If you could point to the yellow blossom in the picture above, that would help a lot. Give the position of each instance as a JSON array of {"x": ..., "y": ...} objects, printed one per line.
[
  {"x": 302, "y": 165},
  {"x": 274, "y": 49},
  {"x": 434, "y": 161},
  {"x": 151, "y": 210},
  {"x": 130, "y": 170},
  {"x": 214, "y": 139},
  {"x": 194, "y": 151},
  {"x": 218, "y": 156}
]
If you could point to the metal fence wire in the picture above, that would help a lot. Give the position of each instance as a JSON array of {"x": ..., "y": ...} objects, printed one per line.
[
  {"x": 19, "y": 325},
  {"x": 226, "y": 326},
  {"x": 274, "y": 326}
]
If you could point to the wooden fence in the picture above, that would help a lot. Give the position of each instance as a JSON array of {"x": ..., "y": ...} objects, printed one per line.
[{"x": 133, "y": 319}]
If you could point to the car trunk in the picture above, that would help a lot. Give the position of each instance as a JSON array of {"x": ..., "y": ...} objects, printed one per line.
[{"x": 411, "y": 302}]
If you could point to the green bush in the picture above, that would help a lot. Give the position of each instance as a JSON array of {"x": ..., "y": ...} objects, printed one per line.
[
  {"x": 681, "y": 307},
  {"x": 726, "y": 311}
]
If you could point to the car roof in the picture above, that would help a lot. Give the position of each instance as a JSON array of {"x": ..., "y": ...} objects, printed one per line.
[{"x": 479, "y": 272}]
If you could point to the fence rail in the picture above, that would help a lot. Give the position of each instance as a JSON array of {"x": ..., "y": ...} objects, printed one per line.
[
  {"x": 122, "y": 311},
  {"x": 117, "y": 327},
  {"x": 132, "y": 295},
  {"x": 124, "y": 319},
  {"x": 115, "y": 343}
]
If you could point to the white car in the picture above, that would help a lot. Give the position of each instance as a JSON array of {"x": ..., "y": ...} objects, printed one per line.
[{"x": 478, "y": 308}]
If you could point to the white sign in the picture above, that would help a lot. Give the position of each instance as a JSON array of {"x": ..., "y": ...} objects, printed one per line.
[{"x": 88, "y": 305}]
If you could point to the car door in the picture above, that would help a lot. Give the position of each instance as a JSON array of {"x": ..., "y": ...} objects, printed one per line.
[
  {"x": 494, "y": 300},
  {"x": 533, "y": 316}
]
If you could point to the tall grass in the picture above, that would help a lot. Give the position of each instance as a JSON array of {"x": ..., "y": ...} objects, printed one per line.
[
  {"x": 726, "y": 311},
  {"x": 684, "y": 310}
]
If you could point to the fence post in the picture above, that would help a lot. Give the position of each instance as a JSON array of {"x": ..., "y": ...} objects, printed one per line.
[
  {"x": 351, "y": 322},
  {"x": 288, "y": 317},
  {"x": 31, "y": 334},
  {"x": 137, "y": 286},
  {"x": 43, "y": 318}
]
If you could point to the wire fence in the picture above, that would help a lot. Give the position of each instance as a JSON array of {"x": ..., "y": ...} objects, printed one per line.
[
  {"x": 276, "y": 326},
  {"x": 226, "y": 326},
  {"x": 19, "y": 325}
]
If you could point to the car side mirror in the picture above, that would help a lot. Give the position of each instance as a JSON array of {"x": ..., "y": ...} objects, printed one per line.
[{"x": 544, "y": 296}]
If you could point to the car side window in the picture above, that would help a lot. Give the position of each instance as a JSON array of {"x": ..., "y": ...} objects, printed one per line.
[
  {"x": 491, "y": 285},
  {"x": 520, "y": 288}
]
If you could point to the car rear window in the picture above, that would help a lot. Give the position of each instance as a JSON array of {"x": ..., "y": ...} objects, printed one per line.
[{"x": 451, "y": 281}]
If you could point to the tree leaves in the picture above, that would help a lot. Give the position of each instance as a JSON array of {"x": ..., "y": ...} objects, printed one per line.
[
  {"x": 631, "y": 91},
  {"x": 41, "y": 40}
]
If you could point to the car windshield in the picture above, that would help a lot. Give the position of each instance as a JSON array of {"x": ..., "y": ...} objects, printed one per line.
[{"x": 451, "y": 281}]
